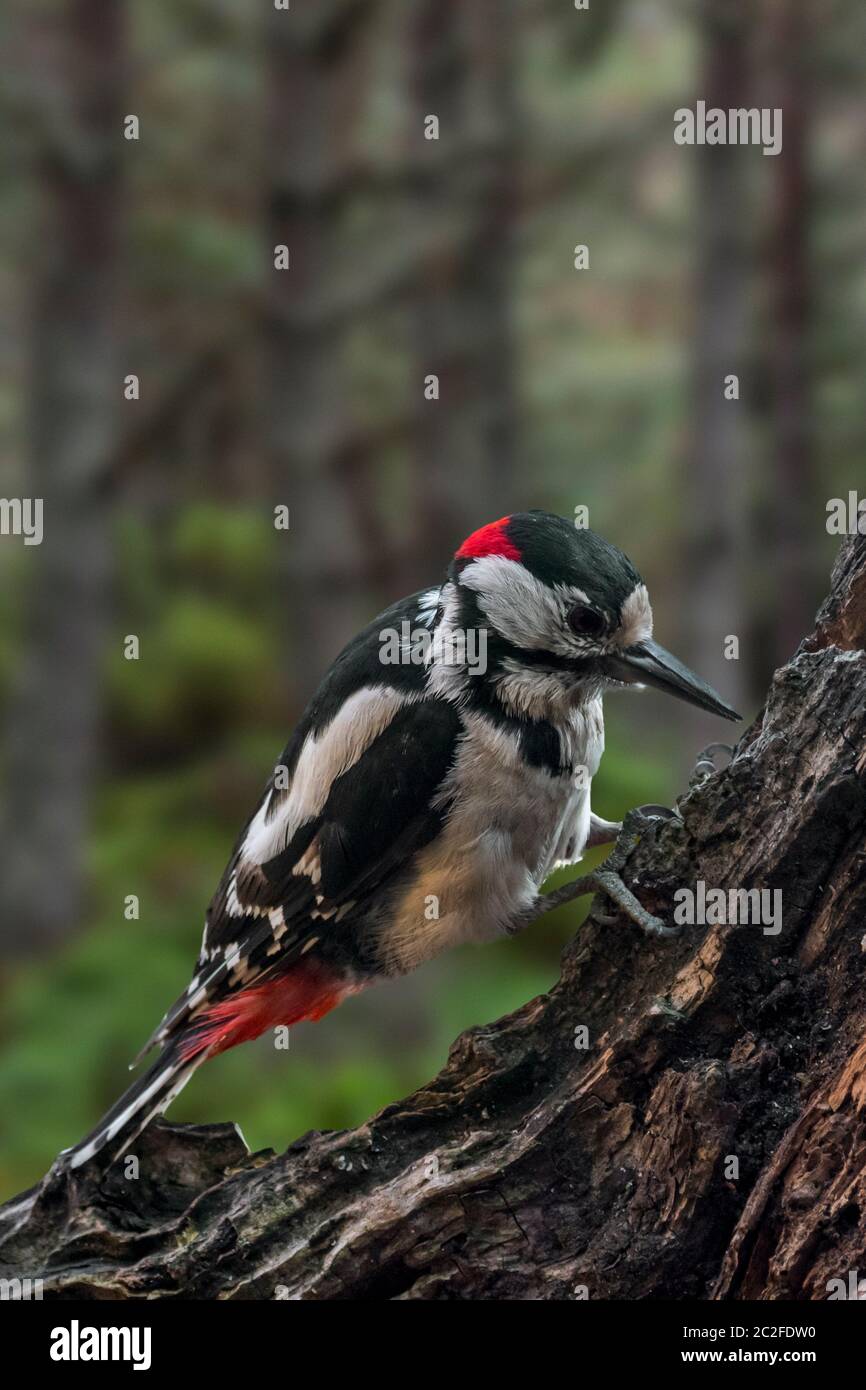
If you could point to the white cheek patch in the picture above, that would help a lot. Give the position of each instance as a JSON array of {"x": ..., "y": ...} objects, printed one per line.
[
  {"x": 636, "y": 621},
  {"x": 524, "y": 611}
]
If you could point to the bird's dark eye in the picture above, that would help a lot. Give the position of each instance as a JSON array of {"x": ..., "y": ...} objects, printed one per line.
[{"x": 585, "y": 621}]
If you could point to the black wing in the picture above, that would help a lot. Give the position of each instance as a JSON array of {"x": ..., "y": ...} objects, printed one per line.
[{"x": 347, "y": 809}]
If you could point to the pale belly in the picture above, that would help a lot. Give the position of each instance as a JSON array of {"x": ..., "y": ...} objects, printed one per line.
[{"x": 509, "y": 825}]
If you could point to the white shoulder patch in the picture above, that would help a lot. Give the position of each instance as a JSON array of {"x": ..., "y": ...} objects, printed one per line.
[{"x": 324, "y": 757}]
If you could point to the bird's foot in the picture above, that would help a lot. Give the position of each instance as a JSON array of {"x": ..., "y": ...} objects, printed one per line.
[
  {"x": 631, "y": 832},
  {"x": 607, "y": 879},
  {"x": 606, "y": 832},
  {"x": 602, "y": 832},
  {"x": 609, "y": 882},
  {"x": 601, "y": 880}
]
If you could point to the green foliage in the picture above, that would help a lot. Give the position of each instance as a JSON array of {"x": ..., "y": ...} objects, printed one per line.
[{"x": 201, "y": 658}]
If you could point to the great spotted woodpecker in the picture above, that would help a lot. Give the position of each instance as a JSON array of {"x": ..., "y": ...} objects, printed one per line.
[{"x": 428, "y": 791}]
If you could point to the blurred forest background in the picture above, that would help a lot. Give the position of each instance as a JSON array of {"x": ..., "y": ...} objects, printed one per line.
[{"x": 303, "y": 387}]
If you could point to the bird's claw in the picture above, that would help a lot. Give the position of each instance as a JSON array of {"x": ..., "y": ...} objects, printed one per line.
[
  {"x": 705, "y": 763},
  {"x": 607, "y": 919},
  {"x": 653, "y": 811}
]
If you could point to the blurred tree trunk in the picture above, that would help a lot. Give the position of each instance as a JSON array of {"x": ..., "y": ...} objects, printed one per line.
[
  {"x": 679, "y": 1118},
  {"x": 794, "y": 489},
  {"x": 464, "y": 469},
  {"x": 311, "y": 65},
  {"x": 75, "y": 389},
  {"x": 715, "y": 508}
]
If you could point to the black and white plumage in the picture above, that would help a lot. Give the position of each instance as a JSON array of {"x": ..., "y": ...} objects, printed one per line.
[{"x": 422, "y": 803}]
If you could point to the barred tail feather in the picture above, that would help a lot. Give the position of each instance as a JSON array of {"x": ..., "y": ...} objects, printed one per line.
[
  {"x": 305, "y": 992},
  {"x": 145, "y": 1098}
]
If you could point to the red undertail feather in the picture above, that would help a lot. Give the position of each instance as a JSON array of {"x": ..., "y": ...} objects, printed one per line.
[{"x": 304, "y": 994}]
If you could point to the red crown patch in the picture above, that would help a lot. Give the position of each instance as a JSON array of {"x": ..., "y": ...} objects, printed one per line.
[{"x": 489, "y": 540}]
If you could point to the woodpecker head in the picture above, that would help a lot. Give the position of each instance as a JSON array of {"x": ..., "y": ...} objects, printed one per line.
[{"x": 566, "y": 615}]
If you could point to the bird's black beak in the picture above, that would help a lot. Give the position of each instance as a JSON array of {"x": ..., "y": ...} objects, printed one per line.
[{"x": 646, "y": 663}]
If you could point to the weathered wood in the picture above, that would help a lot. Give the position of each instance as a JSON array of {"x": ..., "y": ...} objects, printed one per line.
[{"x": 529, "y": 1168}]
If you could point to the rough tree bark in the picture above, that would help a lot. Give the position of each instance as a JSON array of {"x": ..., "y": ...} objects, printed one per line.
[{"x": 527, "y": 1167}]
